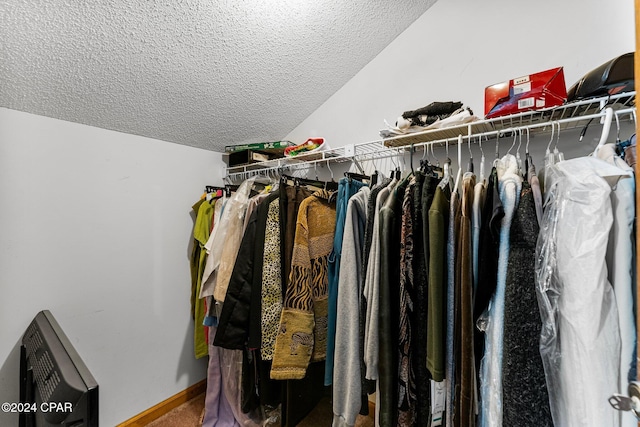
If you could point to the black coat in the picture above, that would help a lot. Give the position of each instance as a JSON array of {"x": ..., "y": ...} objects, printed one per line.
[{"x": 240, "y": 319}]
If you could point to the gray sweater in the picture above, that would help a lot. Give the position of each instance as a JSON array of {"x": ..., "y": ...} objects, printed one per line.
[
  {"x": 347, "y": 385},
  {"x": 372, "y": 290}
]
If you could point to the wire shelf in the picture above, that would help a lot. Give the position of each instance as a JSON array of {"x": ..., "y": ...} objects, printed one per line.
[
  {"x": 531, "y": 119},
  {"x": 565, "y": 117}
]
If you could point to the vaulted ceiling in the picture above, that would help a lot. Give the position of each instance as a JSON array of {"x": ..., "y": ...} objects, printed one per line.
[{"x": 194, "y": 72}]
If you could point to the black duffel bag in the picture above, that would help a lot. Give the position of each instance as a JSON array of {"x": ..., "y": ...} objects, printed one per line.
[{"x": 612, "y": 77}]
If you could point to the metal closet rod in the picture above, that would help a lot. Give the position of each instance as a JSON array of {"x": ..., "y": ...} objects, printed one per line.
[
  {"x": 384, "y": 152},
  {"x": 375, "y": 150},
  {"x": 361, "y": 152}
]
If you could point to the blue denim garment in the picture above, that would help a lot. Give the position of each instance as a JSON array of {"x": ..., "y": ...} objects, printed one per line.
[{"x": 346, "y": 189}]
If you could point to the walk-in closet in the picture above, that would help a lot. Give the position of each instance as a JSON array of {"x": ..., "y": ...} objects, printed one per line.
[{"x": 410, "y": 257}]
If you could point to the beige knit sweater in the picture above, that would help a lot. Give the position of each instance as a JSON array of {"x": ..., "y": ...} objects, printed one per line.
[{"x": 302, "y": 336}]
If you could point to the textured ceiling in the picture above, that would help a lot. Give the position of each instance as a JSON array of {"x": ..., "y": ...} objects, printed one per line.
[{"x": 196, "y": 72}]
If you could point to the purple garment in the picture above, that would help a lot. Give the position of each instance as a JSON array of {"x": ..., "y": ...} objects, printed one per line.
[{"x": 217, "y": 409}]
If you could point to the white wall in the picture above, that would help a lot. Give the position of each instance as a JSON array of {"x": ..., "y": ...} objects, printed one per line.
[
  {"x": 458, "y": 47},
  {"x": 95, "y": 226}
]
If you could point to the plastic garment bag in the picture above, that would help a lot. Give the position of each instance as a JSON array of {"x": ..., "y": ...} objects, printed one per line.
[
  {"x": 223, "y": 405},
  {"x": 224, "y": 242},
  {"x": 620, "y": 262},
  {"x": 580, "y": 338}
]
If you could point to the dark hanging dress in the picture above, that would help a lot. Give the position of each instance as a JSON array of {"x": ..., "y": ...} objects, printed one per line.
[
  {"x": 406, "y": 357},
  {"x": 492, "y": 214},
  {"x": 390, "y": 216},
  {"x": 525, "y": 394}
]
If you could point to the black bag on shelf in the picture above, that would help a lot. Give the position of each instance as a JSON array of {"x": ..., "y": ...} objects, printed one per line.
[{"x": 612, "y": 77}]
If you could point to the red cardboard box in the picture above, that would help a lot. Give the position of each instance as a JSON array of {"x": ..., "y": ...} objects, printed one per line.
[{"x": 532, "y": 92}]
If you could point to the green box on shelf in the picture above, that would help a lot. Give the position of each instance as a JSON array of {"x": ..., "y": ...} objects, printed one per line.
[{"x": 259, "y": 146}]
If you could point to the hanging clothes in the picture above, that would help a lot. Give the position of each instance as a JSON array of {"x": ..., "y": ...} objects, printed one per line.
[
  {"x": 291, "y": 196},
  {"x": 224, "y": 242},
  {"x": 239, "y": 327},
  {"x": 269, "y": 391},
  {"x": 217, "y": 409},
  {"x": 620, "y": 267},
  {"x": 372, "y": 291},
  {"x": 388, "y": 303},
  {"x": 436, "y": 327},
  {"x": 509, "y": 185},
  {"x": 479, "y": 193},
  {"x": 368, "y": 386},
  {"x": 302, "y": 336},
  {"x": 271, "y": 291},
  {"x": 407, "y": 393},
  {"x": 492, "y": 214},
  {"x": 347, "y": 187},
  {"x": 535, "y": 188},
  {"x": 347, "y": 381},
  {"x": 194, "y": 259},
  {"x": 424, "y": 191},
  {"x": 453, "y": 278},
  {"x": 239, "y": 322},
  {"x": 463, "y": 337},
  {"x": 580, "y": 339},
  {"x": 525, "y": 395},
  {"x": 201, "y": 233}
]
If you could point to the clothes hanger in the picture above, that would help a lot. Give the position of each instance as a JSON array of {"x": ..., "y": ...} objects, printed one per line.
[
  {"x": 446, "y": 178},
  {"x": 481, "y": 159},
  {"x": 357, "y": 176},
  {"x": 435, "y": 168},
  {"x": 424, "y": 162},
  {"x": 394, "y": 166},
  {"x": 411, "y": 149},
  {"x": 606, "y": 127},
  {"x": 470, "y": 165},
  {"x": 528, "y": 160},
  {"x": 275, "y": 181},
  {"x": 558, "y": 155},
  {"x": 549, "y": 159},
  {"x": 495, "y": 161},
  {"x": 459, "y": 173},
  {"x": 404, "y": 164},
  {"x": 518, "y": 158},
  {"x": 375, "y": 174},
  {"x": 212, "y": 192},
  {"x": 332, "y": 185},
  {"x": 230, "y": 188},
  {"x": 374, "y": 178},
  {"x": 515, "y": 137},
  {"x": 621, "y": 146},
  {"x": 304, "y": 182}
]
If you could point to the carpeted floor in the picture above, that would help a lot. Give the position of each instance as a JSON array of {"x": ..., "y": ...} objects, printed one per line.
[
  {"x": 322, "y": 416},
  {"x": 190, "y": 415},
  {"x": 186, "y": 415}
]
